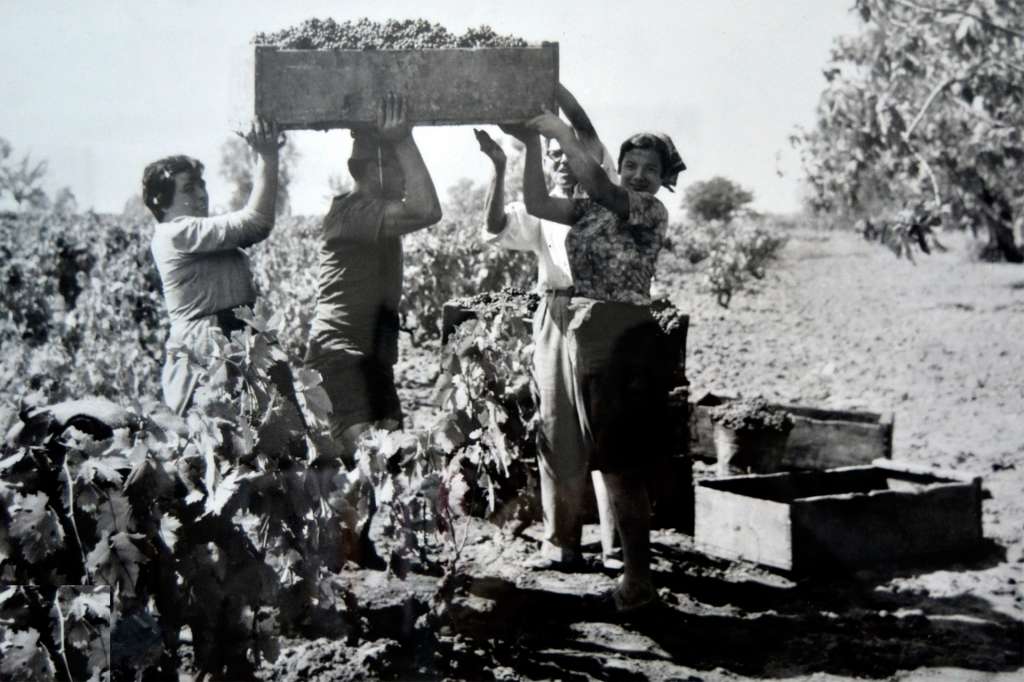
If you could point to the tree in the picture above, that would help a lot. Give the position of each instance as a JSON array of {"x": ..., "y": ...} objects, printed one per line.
[
  {"x": 65, "y": 202},
  {"x": 236, "y": 164},
  {"x": 135, "y": 211},
  {"x": 926, "y": 102},
  {"x": 716, "y": 199},
  {"x": 22, "y": 180}
]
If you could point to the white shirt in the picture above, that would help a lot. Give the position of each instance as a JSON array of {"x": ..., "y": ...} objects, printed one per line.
[{"x": 523, "y": 232}]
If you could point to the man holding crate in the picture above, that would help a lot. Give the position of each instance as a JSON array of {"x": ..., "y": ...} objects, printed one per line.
[
  {"x": 354, "y": 339},
  {"x": 563, "y": 461}
]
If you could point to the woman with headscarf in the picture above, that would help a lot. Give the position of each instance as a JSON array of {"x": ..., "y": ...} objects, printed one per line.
[{"x": 602, "y": 325}]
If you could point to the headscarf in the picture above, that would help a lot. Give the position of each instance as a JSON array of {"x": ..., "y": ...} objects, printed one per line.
[{"x": 671, "y": 163}]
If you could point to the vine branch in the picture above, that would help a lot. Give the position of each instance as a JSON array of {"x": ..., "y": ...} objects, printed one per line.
[{"x": 956, "y": 10}]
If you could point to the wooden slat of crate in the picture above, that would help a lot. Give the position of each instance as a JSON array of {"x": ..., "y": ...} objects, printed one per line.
[
  {"x": 737, "y": 526},
  {"x": 821, "y": 439},
  {"x": 778, "y": 519},
  {"x": 322, "y": 89}
]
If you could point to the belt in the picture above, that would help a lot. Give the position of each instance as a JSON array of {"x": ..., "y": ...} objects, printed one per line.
[{"x": 567, "y": 291}]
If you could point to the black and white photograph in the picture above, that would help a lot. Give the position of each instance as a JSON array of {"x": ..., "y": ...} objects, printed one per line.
[{"x": 520, "y": 341}]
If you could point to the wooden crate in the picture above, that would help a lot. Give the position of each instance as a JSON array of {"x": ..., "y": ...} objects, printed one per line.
[
  {"x": 875, "y": 515},
  {"x": 321, "y": 89},
  {"x": 821, "y": 439}
]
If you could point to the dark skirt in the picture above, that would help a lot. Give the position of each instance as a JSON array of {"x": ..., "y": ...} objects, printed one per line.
[{"x": 619, "y": 356}]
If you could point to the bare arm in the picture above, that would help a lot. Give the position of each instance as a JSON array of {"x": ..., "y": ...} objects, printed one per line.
[
  {"x": 581, "y": 123},
  {"x": 572, "y": 109},
  {"x": 254, "y": 221},
  {"x": 587, "y": 170},
  {"x": 264, "y": 139},
  {"x": 496, "y": 218},
  {"x": 539, "y": 203},
  {"x": 420, "y": 207}
]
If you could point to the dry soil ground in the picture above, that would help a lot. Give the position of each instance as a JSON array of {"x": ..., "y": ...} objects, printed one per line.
[{"x": 836, "y": 323}]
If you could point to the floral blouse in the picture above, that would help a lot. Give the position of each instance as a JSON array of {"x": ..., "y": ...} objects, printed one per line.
[{"x": 613, "y": 259}]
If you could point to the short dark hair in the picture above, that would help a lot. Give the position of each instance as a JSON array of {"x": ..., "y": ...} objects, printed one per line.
[{"x": 158, "y": 181}]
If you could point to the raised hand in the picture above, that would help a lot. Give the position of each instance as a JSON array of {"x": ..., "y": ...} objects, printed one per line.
[
  {"x": 264, "y": 137},
  {"x": 516, "y": 130},
  {"x": 392, "y": 118},
  {"x": 489, "y": 147},
  {"x": 548, "y": 125}
]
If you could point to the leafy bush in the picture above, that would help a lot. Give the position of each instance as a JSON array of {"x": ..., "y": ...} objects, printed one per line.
[
  {"x": 726, "y": 254},
  {"x": 716, "y": 199},
  {"x": 78, "y": 288},
  {"x": 448, "y": 261}
]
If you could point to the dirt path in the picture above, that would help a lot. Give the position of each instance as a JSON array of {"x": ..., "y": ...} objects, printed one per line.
[{"x": 837, "y": 323}]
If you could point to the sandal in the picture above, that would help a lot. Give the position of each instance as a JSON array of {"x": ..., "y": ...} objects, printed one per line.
[{"x": 612, "y": 561}]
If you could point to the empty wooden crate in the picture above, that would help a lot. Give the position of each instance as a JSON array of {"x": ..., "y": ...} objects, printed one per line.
[{"x": 849, "y": 517}]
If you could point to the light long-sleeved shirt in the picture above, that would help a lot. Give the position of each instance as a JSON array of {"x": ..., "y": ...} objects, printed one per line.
[{"x": 203, "y": 271}]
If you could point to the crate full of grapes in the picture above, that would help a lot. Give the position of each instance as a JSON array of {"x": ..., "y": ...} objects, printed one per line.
[{"x": 323, "y": 75}]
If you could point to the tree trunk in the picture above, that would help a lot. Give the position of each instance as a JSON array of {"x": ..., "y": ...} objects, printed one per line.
[{"x": 1001, "y": 244}]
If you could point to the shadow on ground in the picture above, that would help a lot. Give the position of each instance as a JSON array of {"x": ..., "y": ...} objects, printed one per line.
[{"x": 713, "y": 616}]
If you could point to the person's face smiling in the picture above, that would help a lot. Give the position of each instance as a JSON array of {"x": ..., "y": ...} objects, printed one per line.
[
  {"x": 561, "y": 173},
  {"x": 641, "y": 171}
]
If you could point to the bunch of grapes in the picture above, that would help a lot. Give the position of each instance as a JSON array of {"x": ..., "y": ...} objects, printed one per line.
[
  {"x": 393, "y": 34},
  {"x": 507, "y": 297}
]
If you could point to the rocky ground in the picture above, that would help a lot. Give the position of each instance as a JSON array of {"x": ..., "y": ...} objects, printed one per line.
[{"x": 837, "y": 323}]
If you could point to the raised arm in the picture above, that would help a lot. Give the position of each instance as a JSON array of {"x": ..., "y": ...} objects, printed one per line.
[
  {"x": 496, "y": 218},
  {"x": 420, "y": 207},
  {"x": 572, "y": 109},
  {"x": 263, "y": 137},
  {"x": 587, "y": 170},
  {"x": 248, "y": 225},
  {"x": 539, "y": 202},
  {"x": 585, "y": 131}
]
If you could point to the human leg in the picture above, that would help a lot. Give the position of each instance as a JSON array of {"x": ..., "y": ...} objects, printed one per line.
[
  {"x": 562, "y": 457},
  {"x": 627, "y": 492},
  {"x": 623, "y": 391},
  {"x": 606, "y": 521}
]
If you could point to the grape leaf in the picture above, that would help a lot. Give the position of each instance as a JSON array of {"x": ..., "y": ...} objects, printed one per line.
[
  {"x": 25, "y": 659},
  {"x": 311, "y": 394},
  {"x": 35, "y": 527},
  {"x": 103, "y": 470},
  {"x": 115, "y": 560},
  {"x": 169, "y": 530},
  {"x": 225, "y": 491},
  {"x": 447, "y": 435},
  {"x": 113, "y": 513},
  {"x": 90, "y": 600}
]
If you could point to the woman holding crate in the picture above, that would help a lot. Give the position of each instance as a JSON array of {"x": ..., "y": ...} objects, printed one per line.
[
  {"x": 603, "y": 324},
  {"x": 204, "y": 271}
]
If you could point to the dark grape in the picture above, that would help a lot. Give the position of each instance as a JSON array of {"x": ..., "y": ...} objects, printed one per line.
[{"x": 393, "y": 34}]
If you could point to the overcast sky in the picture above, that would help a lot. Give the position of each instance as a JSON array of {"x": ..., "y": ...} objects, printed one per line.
[{"x": 100, "y": 88}]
